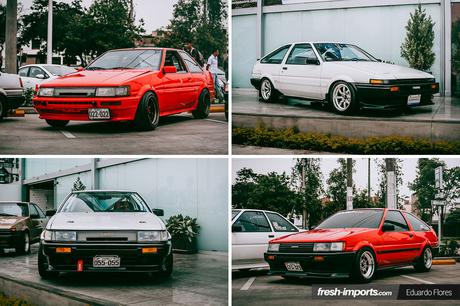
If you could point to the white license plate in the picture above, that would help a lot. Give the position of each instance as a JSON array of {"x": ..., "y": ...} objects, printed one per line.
[
  {"x": 106, "y": 262},
  {"x": 98, "y": 113},
  {"x": 414, "y": 99},
  {"x": 293, "y": 266}
]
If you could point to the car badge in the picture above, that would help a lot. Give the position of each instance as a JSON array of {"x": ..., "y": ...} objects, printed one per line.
[{"x": 416, "y": 87}]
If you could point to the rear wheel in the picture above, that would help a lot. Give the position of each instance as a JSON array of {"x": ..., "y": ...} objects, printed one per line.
[
  {"x": 343, "y": 98},
  {"x": 364, "y": 266},
  {"x": 148, "y": 113},
  {"x": 43, "y": 265},
  {"x": 204, "y": 105},
  {"x": 57, "y": 123},
  {"x": 267, "y": 92},
  {"x": 425, "y": 261},
  {"x": 23, "y": 246}
]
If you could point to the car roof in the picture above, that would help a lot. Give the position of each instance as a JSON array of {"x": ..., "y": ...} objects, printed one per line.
[
  {"x": 250, "y": 209},
  {"x": 103, "y": 190},
  {"x": 42, "y": 65},
  {"x": 145, "y": 48}
]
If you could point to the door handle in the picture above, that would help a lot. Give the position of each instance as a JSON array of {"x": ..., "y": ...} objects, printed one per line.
[
  {"x": 411, "y": 235},
  {"x": 284, "y": 68},
  {"x": 271, "y": 236}
]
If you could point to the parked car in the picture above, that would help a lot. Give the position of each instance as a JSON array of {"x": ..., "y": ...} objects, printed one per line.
[
  {"x": 252, "y": 229},
  {"x": 139, "y": 85},
  {"x": 342, "y": 75},
  {"x": 355, "y": 243},
  {"x": 33, "y": 75},
  {"x": 223, "y": 88},
  {"x": 21, "y": 224},
  {"x": 105, "y": 231},
  {"x": 11, "y": 93}
]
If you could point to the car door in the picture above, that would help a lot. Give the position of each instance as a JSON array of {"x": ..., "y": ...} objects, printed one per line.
[
  {"x": 280, "y": 225},
  {"x": 300, "y": 74},
  {"x": 36, "y": 223},
  {"x": 251, "y": 232},
  {"x": 398, "y": 245},
  {"x": 197, "y": 80},
  {"x": 421, "y": 232}
]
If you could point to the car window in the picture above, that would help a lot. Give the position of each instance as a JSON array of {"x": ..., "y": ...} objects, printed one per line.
[
  {"x": 23, "y": 71},
  {"x": 59, "y": 70},
  {"x": 104, "y": 201},
  {"x": 193, "y": 67},
  {"x": 34, "y": 71},
  {"x": 277, "y": 56},
  {"x": 173, "y": 59},
  {"x": 300, "y": 53},
  {"x": 280, "y": 224},
  {"x": 33, "y": 212},
  {"x": 14, "y": 209},
  {"x": 395, "y": 218},
  {"x": 417, "y": 224},
  {"x": 39, "y": 210},
  {"x": 253, "y": 221},
  {"x": 235, "y": 212}
]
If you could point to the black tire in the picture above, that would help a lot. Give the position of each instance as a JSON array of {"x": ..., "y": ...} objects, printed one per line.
[
  {"x": 204, "y": 105},
  {"x": 3, "y": 108},
  {"x": 364, "y": 275},
  {"x": 342, "y": 98},
  {"x": 43, "y": 266},
  {"x": 57, "y": 123},
  {"x": 148, "y": 113},
  {"x": 421, "y": 265},
  {"x": 267, "y": 92},
  {"x": 23, "y": 246},
  {"x": 168, "y": 269}
]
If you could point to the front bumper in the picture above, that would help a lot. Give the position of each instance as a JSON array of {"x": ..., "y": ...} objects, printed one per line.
[
  {"x": 131, "y": 257},
  {"x": 319, "y": 265},
  {"x": 62, "y": 108},
  {"x": 255, "y": 82},
  {"x": 9, "y": 239}
]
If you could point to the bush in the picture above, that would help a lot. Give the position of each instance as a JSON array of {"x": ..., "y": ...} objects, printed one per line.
[
  {"x": 450, "y": 248},
  {"x": 28, "y": 95},
  {"x": 12, "y": 301},
  {"x": 292, "y": 139},
  {"x": 182, "y": 226}
]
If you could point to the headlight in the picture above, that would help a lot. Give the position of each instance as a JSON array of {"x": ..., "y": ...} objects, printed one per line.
[
  {"x": 273, "y": 247},
  {"x": 378, "y": 82},
  {"x": 112, "y": 91},
  {"x": 329, "y": 247},
  {"x": 46, "y": 92},
  {"x": 151, "y": 236},
  {"x": 65, "y": 236}
]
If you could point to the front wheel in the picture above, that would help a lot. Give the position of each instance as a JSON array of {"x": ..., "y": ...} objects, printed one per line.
[
  {"x": 43, "y": 265},
  {"x": 364, "y": 266},
  {"x": 23, "y": 246},
  {"x": 204, "y": 105},
  {"x": 148, "y": 113},
  {"x": 267, "y": 92},
  {"x": 425, "y": 261},
  {"x": 57, "y": 123},
  {"x": 168, "y": 266},
  {"x": 343, "y": 98}
]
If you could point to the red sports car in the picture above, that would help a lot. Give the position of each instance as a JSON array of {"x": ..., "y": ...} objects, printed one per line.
[
  {"x": 139, "y": 85},
  {"x": 355, "y": 243}
]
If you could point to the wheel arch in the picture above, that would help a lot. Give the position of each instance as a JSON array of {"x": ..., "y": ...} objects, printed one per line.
[{"x": 342, "y": 78}]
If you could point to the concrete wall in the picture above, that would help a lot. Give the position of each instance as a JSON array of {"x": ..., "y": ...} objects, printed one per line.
[
  {"x": 40, "y": 166},
  {"x": 10, "y": 192}
]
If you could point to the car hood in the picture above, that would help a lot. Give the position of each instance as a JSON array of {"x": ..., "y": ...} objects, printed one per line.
[
  {"x": 106, "y": 221},
  {"x": 385, "y": 71},
  {"x": 319, "y": 235},
  {"x": 7, "y": 222},
  {"x": 96, "y": 77}
]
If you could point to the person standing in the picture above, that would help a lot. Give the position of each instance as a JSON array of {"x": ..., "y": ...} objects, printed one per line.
[
  {"x": 212, "y": 66},
  {"x": 195, "y": 53}
]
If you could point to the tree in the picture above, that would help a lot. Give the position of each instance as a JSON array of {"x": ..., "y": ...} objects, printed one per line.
[
  {"x": 382, "y": 191},
  {"x": 337, "y": 188},
  {"x": 418, "y": 44},
  {"x": 78, "y": 185}
]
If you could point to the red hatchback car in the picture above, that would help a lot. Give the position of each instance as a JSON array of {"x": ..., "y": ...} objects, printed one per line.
[
  {"x": 355, "y": 243},
  {"x": 139, "y": 85}
]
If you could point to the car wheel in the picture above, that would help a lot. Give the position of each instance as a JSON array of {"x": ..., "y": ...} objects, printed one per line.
[
  {"x": 343, "y": 98},
  {"x": 57, "y": 123},
  {"x": 2, "y": 108},
  {"x": 204, "y": 105},
  {"x": 267, "y": 92},
  {"x": 23, "y": 246},
  {"x": 148, "y": 113},
  {"x": 168, "y": 266},
  {"x": 364, "y": 266},
  {"x": 425, "y": 261},
  {"x": 43, "y": 265}
]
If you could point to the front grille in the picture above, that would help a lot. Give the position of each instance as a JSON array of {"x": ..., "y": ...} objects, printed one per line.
[
  {"x": 107, "y": 236},
  {"x": 4, "y": 232},
  {"x": 107, "y": 239},
  {"x": 76, "y": 92},
  {"x": 296, "y": 247},
  {"x": 71, "y": 103},
  {"x": 411, "y": 81}
]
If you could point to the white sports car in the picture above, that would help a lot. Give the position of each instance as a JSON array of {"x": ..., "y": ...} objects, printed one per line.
[{"x": 341, "y": 74}]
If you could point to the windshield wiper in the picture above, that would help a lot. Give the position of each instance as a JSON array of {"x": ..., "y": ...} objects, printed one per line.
[
  {"x": 120, "y": 68},
  {"x": 96, "y": 68}
]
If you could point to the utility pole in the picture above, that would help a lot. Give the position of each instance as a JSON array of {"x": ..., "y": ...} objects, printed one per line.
[
  {"x": 391, "y": 183},
  {"x": 369, "y": 179},
  {"x": 304, "y": 209},
  {"x": 349, "y": 184},
  {"x": 11, "y": 40},
  {"x": 49, "y": 44}
]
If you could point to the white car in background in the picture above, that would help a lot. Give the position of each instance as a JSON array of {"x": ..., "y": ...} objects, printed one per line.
[
  {"x": 252, "y": 229},
  {"x": 33, "y": 75},
  {"x": 343, "y": 75}
]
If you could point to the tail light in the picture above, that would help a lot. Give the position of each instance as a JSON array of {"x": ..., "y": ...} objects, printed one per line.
[{"x": 36, "y": 89}]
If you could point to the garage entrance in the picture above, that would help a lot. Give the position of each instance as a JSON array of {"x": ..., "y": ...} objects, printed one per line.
[{"x": 41, "y": 194}]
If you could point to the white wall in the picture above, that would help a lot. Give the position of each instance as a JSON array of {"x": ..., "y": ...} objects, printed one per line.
[{"x": 10, "y": 192}]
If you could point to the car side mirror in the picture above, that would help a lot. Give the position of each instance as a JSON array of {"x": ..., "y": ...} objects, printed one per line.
[
  {"x": 169, "y": 69},
  {"x": 237, "y": 228},
  {"x": 158, "y": 212},
  {"x": 40, "y": 76},
  {"x": 379, "y": 60},
  {"x": 34, "y": 216},
  {"x": 79, "y": 69},
  {"x": 388, "y": 227},
  {"x": 312, "y": 61},
  {"x": 50, "y": 213}
]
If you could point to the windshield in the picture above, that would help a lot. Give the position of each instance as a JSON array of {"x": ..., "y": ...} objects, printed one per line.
[
  {"x": 59, "y": 70},
  {"x": 235, "y": 212},
  {"x": 128, "y": 59},
  {"x": 331, "y": 52},
  {"x": 105, "y": 202},
  {"x": 353, "y": 219},
  {"x": 14, "y": 209}
]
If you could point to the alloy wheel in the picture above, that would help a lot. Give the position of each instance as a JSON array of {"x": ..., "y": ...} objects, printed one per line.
[
  {"x": 341, "y": 97},
  {"x": 266, "y": 89},
  {"x": 366, "y": 264},
  {"x": 152, "y": 110},
  {"x": 427, "y": 258},
  {"x": 26, "y": 243}
]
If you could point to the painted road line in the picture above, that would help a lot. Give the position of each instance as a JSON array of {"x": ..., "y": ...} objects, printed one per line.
[
  {"x": 218, "y": 121},
  {"x": 417, "y": 279},
  {"x": 248, "y": 284},
  {"x": 67, "y": 134}
]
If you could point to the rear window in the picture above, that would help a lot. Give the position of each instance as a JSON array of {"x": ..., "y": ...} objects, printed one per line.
[
  {"x": 417, "y": 224},
  {"x": 353, "y": 219}
]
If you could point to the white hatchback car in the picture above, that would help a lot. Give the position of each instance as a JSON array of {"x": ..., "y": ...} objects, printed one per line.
[
  {"x": 343, "y": 75},
  {"x": 33, "y": 75},
  {"x": 252, "y": 229},
  {"x": 105, "y": 231}
]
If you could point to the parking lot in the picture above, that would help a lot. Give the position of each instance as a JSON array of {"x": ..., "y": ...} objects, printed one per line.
[
  {"x": 258, "y": 288},
  {"x": 178, "y": 134},
  {"x": 199, "y": 279}
]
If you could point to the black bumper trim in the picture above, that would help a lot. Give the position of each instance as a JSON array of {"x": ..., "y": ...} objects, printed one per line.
[
  {"x": 256, "y": 83},
  {"x": 10, "y": 240},
  {"x": 14, "y": 102}
]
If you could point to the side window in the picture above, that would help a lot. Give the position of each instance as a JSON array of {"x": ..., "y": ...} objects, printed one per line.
[
  {"x": 395, "y": 218},
  {"x": 23, "y": 71},
  {"x": 40, "y": 211},
  {"x": 253, "y": 221},
  {"x": 193, "y": 67},
  {"x": 280, "y": 224},
  {"x": 417, "y": 224},
  {"x": 300, "y": 55},
  {"x": 276, "y": 57},
  {"x": 33, "y": 211},
  {"x": 34, "y": 71},
  {"x": 173, "y": 59}
]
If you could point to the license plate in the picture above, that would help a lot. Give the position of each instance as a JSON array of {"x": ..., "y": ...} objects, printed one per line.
[
  {"x": 98, "y": 113},
  {"x": 414, "y": 99},
  {"x": 293, "y": 266},
  {"x": 106, "y": 262}
]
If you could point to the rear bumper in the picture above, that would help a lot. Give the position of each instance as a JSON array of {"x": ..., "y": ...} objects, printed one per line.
[
  {"x": 9, "y": 239},
  {"x": 320, "y": 265},
  {"x": 14, "y": 102},
  {"x": 131, "y": 257},
  {"x": 52, "y": 108}
]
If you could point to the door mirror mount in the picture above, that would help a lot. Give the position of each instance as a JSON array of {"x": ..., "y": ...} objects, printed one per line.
[
  {"x": 312, "y": 61},
  {"x": 169, "y": 69},
  {"x": 237, "y": 228},
  {"x": 50, "y": 213},
  {"x": 159, "y": 212},
  {"x": 40, "y": 76},
  {"x": 388, "y": 227}
]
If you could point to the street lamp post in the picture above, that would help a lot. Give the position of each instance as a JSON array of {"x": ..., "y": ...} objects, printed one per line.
[{"x": 49, "y": 44}]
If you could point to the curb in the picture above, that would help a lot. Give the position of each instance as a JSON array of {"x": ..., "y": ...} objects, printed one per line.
[
  {"x": 217, "y": 108},
  {"x": 444, "y": 262}
]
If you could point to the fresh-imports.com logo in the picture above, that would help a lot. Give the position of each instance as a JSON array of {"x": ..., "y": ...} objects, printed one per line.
[{"x": 345, "y": 292}]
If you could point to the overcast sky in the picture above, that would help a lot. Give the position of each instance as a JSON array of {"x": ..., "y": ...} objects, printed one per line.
[
  {"x": 265, "y": 165},
  {"x": 156, "y": 13}
]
